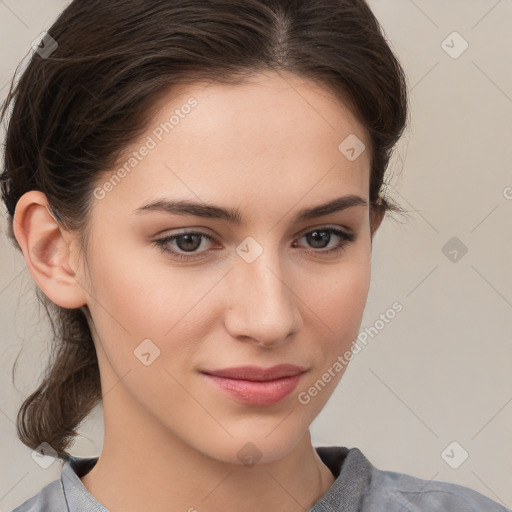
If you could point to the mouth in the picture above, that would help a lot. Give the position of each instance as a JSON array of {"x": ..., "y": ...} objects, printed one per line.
[
  {"x": 257, "y": 374},
  {"x": 253, "y": 385}
]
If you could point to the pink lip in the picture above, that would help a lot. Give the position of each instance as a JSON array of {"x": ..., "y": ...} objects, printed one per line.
[
  {"x": 256, "y": 373},
  {"x": 257, "y": 386}
]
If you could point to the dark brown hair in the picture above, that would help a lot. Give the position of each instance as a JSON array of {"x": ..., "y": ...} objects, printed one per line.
[{"x": 75, "y": 110}]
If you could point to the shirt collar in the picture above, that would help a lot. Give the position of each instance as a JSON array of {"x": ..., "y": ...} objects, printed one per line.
[
  {"x": 78, "y": 498},
  {"x": 351, "y": 469},
  {"x": 353, "y": 474}
]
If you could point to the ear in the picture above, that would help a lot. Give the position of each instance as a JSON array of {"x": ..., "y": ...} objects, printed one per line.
[
  {"x": 47, "y": 251},
  {"x": 376, "y": 218}
]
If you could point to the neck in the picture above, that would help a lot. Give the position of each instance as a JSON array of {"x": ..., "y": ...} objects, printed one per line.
[{"x": 158, "y": 472}]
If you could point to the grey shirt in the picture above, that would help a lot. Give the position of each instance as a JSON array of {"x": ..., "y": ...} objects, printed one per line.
[{"x": 359, "y": 487}]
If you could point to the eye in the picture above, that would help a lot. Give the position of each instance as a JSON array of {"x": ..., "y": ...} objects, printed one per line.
[
  {"x": 319, "y": 237},
  {"x": 190, "y": 241}
]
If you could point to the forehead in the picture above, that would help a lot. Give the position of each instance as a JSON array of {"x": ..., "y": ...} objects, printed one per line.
[
  {"x": 270, "y": 137},
  {"x": 267, "y": 108}
]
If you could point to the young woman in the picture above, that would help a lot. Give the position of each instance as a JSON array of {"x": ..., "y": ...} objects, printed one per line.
[{"x": 194, "y": 187}]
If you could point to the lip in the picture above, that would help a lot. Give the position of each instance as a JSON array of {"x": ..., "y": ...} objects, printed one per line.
[
  {"x": 253, "y": 385},
  {"x": 255, "y": 373}
]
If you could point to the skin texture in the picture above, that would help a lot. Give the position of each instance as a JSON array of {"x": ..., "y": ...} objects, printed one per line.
[{"x": 172, "y": 440}]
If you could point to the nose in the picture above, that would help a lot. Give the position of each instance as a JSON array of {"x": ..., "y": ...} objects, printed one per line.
[{"x": 262, "y": 306}]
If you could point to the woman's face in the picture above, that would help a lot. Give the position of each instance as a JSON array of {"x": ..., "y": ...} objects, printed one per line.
[{"x": 261, "y": 291}]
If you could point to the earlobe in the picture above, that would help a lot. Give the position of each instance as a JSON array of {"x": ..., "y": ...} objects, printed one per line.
[{"x": 47, "y": 251}]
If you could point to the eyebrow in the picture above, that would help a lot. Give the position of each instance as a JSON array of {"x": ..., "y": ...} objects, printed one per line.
[{"x": 234, "y": 216}]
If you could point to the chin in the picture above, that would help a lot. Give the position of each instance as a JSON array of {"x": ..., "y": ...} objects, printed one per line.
[{"x": 248, "y": 450}]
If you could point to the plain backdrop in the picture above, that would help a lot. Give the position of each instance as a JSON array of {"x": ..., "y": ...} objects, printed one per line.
[{"x": 439, "y": 372}]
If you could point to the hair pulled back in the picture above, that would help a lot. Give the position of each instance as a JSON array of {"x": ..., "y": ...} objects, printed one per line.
[{"x": 75, "y": 110}]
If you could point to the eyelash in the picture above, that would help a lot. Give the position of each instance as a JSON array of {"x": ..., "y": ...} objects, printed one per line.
[{"x": 346, "y": 238}]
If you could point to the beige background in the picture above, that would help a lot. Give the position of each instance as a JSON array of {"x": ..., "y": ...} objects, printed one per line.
[{"x": 440, "y": 371}]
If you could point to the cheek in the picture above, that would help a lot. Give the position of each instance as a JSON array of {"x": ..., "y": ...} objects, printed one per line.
[
  {"x": 135, "y": 286},
  {"x": 337, "y": 308},
  {"x": 337, "y": 296},
  {"x": 136, "y": 296}
]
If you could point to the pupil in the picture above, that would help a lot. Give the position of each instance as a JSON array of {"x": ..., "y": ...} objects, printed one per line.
[
  {"x": 324, "y": 237},
  {"x": 188, "y": 238}
]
